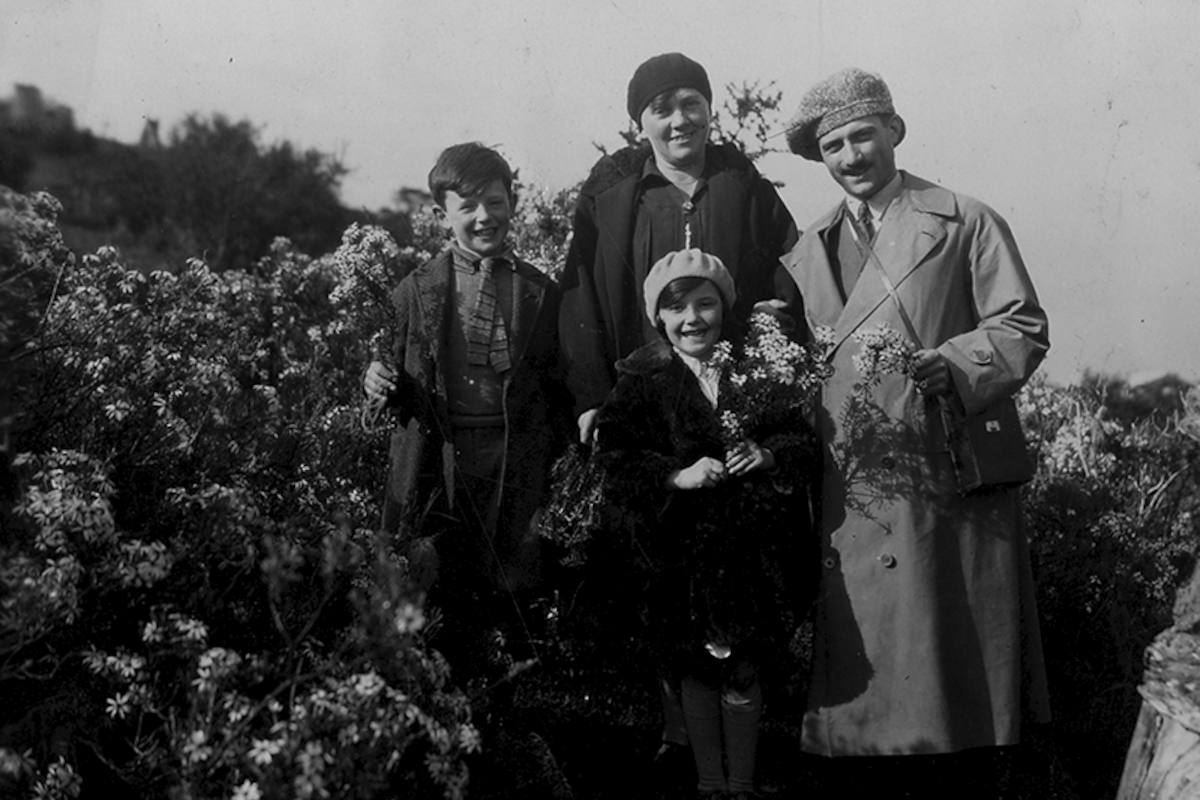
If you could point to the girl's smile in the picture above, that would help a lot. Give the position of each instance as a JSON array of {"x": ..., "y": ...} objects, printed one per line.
[{"x": 693, "y": 324}]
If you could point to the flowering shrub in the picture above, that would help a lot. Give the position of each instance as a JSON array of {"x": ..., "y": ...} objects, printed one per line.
[
  {"x": 32, "y": 257},
  {"x": 74, "y": 541},
  {"x": 60, "y": 781},
  {"x": 1112, "y": 515},
  {"x": 339, "y": 724},
  {"x": 368, "y": 263},
  {"x": 541, "y": 228},
  {"x": 190, "y": 711},
  {"x": 191, "y": 558}
]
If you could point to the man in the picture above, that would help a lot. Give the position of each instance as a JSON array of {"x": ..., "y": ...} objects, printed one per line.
[{"x": 926, "y": 630}]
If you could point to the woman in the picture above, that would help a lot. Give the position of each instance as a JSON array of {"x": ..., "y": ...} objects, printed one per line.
[{"x": 671, "y": 191}]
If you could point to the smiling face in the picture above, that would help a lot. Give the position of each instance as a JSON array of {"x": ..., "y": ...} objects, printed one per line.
[
  {"x": 861, "y": 155},
  {"x": 692, "y": 321},
  {"x": 676, "y": 124},
  {"x": 479, "y": 222}
]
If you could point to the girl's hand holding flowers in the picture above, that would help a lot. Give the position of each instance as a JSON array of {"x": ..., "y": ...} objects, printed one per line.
[
  {"x": 747, "y": 457},
  {"x": 706, "y": 473}
]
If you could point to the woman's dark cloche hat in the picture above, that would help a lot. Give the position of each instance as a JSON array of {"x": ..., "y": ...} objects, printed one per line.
[
  {"x": 842, "y": 97},
  {"x": 664, "y": 73}
]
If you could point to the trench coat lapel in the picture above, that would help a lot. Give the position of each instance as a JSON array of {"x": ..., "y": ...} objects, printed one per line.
[
  {"x": 919, "y": 227},
  {"x": 808, "y": 264},
  {"x": 916, "y": 229},
  {"x": 812, "y": 270}
]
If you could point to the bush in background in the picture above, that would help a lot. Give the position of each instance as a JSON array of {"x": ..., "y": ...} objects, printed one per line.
[
  {"x": 1112, "y": 517},
  {"x": 193, "y": 600}
]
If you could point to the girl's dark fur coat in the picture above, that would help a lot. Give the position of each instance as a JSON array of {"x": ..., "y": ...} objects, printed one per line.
[{"x": 734, "y": 564}]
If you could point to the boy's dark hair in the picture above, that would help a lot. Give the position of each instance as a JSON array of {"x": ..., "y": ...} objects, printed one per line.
[{"x": 468, "y": 169}]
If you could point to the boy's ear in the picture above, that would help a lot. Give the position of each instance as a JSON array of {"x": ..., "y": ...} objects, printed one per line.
[{"x": 439, "y": 214}]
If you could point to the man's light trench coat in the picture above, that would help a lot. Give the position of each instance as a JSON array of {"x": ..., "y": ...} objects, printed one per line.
[{"x": 926, "y": 638}]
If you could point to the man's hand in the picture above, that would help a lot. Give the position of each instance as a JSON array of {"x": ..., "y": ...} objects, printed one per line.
[
  {"x": 931, "y": 375},
  {"x": 747, "y": 457},
  {"x": 704, "y": 474},
  {"x": 378, "y": 382},
  {"x": 587, "y": 425}
]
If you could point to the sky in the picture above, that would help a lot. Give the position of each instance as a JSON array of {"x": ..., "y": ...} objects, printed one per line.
[{"x": 1073, "y": 118}]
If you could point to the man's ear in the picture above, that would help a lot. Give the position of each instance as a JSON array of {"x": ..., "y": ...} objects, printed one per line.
[{"x": 898, "y": 129}]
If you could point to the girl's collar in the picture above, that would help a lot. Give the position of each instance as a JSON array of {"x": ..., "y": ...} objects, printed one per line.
[{"x": 696, "y": 365}]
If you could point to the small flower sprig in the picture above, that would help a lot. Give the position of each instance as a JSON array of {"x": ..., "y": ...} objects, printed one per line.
[
  {"x": 883, "y": 351},
  {"x": 367, "y": 263}
]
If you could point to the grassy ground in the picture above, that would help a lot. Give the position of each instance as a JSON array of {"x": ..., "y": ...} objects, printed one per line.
[
  {"x": 594, "y": 737},
  {"x": 585, "y": 723}
]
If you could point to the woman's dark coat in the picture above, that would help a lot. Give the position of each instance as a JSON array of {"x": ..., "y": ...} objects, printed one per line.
[{"x": 603, "y": 317}]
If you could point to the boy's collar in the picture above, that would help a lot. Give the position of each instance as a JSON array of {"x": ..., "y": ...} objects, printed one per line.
[{"x": 469, "y": 256}]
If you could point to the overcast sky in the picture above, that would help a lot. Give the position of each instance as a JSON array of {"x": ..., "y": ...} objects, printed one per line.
[{"x": 1076, "y": 119}]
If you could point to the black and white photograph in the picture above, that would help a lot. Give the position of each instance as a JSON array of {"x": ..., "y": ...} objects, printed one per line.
[{"x": 599, "y": 400}]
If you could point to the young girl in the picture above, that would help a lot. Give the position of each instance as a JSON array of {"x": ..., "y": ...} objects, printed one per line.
[{"x": 721, "y": 520}]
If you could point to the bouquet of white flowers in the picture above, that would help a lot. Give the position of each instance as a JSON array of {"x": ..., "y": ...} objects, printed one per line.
[{"x": 770, "y": 378}]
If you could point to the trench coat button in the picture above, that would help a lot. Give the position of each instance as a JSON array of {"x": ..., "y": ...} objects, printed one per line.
[
  {"x": 888, "y": 462},
  {"x": 981, "y": 356},
  {"x": 888, "y": 560},
  {"x": 830, "y": 562}
]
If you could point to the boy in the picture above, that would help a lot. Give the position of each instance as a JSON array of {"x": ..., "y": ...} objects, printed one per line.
[{"x": 475, "y": 383}]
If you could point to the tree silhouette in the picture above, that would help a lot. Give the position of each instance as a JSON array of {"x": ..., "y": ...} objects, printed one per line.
[{"x": 230, "y": 197}]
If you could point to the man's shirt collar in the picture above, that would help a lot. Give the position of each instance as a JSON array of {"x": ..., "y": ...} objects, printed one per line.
[{"x": 878, "y": 202}]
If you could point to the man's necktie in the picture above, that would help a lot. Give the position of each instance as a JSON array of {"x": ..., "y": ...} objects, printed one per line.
[{"x": 867, "y": 223}]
